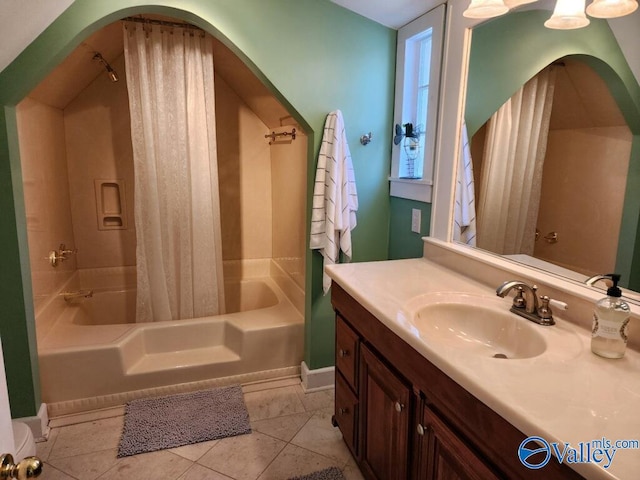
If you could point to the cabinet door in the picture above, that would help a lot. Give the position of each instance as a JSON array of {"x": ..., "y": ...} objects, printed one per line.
[
  {"x": 444, "y": 456},
  {"x": 384, "y": 420}
]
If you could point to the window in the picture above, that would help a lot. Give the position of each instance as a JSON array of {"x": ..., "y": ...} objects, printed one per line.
[{"x": 416, "y": 106}]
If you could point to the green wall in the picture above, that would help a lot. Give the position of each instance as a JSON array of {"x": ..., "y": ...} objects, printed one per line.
[
  {"x": 315, "y": 57},
  {"x": 509, "y": 50},
  {"x": 403, "y": 243}
]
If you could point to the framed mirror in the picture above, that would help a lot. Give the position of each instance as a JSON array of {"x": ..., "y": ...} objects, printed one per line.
[{"x": 492, "y": 62}]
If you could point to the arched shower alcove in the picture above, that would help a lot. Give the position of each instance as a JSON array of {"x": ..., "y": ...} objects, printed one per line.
[
  {"x": 81, "y": 117},
  {"x": 288, "y": 43}
]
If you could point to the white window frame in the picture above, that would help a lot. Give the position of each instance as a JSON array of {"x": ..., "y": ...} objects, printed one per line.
[{"x": 406, "y": 94}]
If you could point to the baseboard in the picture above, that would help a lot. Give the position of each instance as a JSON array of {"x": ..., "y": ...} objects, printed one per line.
[
  {"x": 318, "y": 379},
  {"x": 39, "y": 424}
]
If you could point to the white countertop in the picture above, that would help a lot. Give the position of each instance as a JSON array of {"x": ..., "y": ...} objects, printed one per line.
[{"x": 565, "y": 395}]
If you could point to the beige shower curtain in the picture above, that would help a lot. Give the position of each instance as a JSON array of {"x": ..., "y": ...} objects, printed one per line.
[
  {"x": 177, "y": 210},
  {"x": 511, "y": 176}
]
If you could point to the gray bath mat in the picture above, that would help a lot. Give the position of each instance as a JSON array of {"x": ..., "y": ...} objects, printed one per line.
[
  {"x": 173, "y": 421},
  {"x": 331, "y": 473}
]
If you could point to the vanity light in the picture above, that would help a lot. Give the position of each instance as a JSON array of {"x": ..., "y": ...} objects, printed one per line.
[
  {"x": 611, "y": 8},
  {"x": 567, "y": 14},
  {"x": 485, "y": 9}
]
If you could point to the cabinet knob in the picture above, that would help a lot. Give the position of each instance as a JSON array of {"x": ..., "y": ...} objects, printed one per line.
[
  {"x": 343, "y": 411},
  {"x": 343, "y": 353},
  {"x": 399, "y": 407},
  {"x": 420, "y": 429}
]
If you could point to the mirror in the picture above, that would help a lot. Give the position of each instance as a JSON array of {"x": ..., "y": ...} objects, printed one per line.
[{"x": 554, "y": 129}]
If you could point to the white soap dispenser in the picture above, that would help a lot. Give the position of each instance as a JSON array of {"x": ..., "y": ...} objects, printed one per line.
[{"x": 610, "y": 322}]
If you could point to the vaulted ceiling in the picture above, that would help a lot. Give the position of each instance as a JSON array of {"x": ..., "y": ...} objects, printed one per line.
[
  {"x": 582, "y": 98},
  {"x": 79, "y": 69}
]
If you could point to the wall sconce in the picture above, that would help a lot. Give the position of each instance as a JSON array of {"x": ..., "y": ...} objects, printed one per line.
[{"x": 567, "y": 14}]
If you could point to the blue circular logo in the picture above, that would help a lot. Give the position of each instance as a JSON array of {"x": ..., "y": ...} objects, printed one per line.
[{"x": 540, "y": 445}]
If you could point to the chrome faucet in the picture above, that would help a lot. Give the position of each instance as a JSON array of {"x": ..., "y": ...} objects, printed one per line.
[
  {"x": 591, "y": 281},
  {"x": 70, "y": 296},
  {"x": 526, "y": 304}
]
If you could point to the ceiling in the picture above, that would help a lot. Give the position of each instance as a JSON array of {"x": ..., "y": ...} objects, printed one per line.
[
  {"x": 576, "y": 84},
  {"x": 582, "y": 99},
  {"x": 391, "y": 13},
  {"x": 79, "y": 69}
]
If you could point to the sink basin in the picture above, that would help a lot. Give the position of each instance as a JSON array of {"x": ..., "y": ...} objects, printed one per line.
[{"x": 474, "y": 324}]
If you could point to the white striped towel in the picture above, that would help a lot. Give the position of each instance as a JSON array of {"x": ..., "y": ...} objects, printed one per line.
[
  {"x": 464, "y": 228},
  {"x": 335, "y": 200}
]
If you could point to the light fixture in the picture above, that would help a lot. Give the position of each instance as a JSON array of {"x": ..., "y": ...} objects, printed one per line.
[
  {"x": 485, "y": 9},
  {"x": 567, "y": 14},
  {"x": 113, "y": 75},
  {"x": 611, "y": 8}
]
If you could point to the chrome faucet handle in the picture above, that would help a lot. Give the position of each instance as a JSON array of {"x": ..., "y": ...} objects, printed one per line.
[
  {"x": 526, "y": 296},
  {"x": 518, "y": 299},
  {"x": 558, "y": 304},
  {"x": 544, "y": 310}
]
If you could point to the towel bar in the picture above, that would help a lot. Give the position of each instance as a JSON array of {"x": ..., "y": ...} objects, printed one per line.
[{"x": 273, "y": 135}]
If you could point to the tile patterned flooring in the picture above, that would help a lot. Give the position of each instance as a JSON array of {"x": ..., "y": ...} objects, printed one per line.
[{"x": 292, "y": 435}]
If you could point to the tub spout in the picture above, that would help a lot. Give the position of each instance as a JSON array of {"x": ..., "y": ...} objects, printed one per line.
[{"x": 70, "y": 296}]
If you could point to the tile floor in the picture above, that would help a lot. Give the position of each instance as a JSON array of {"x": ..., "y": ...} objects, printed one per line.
[{"x": 292, "y": 435}]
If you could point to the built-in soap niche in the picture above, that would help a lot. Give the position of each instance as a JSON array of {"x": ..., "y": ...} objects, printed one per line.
[{"x": 111, "y": 204}]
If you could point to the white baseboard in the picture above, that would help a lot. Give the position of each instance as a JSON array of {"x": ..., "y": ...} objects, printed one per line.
[
  {"x": 318, "y": 379},
  {"x": 39, "y": 424}
]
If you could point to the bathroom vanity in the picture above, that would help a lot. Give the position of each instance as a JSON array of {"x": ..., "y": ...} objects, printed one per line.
[{"x": 420, "y": 406}]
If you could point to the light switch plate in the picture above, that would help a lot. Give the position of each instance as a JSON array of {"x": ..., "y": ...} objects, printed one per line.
[{"x": 416, "y": 220}]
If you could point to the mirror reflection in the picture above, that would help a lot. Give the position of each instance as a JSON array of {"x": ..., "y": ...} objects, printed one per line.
[{"x": 543, "y": 178}]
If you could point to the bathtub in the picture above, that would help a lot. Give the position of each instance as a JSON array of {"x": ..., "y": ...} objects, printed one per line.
[{"x": 93, "y": 355}]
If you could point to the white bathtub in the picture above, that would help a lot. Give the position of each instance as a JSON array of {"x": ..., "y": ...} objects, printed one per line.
[{"x": 94, "y": 355}]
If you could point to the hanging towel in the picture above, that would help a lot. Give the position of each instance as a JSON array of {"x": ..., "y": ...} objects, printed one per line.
[
  {"x": 335, "y": 200},
  {"x": 464, "y": 228}
]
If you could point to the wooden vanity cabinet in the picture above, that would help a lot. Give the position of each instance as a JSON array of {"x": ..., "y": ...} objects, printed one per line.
[{"x": 403, "y": 418}]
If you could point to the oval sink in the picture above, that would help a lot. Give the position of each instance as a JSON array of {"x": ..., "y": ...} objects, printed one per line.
[{"x": 475, "y": 324}]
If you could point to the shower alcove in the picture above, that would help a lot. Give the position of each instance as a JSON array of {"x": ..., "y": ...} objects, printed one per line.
[{"x": 77, "y": 168}]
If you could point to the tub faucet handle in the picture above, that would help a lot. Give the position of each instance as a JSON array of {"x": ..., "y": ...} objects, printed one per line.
[
  {"x": 63, "y": 251},
  {"x": 62, "y": 254}
]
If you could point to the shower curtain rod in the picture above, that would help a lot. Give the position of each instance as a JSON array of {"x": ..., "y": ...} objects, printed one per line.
[{"x": 164, "y": 23}]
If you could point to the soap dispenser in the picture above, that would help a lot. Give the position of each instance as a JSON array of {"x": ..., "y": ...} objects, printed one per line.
[{"x": 610, "y": 322}]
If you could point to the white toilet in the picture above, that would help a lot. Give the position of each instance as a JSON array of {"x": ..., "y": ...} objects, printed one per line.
[{"x": 23, "y": 439}]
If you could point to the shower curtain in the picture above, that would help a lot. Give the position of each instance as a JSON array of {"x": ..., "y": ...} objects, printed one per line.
[
  {"x": 511, "y": 177},
  {"x": 177, "y": 211}
]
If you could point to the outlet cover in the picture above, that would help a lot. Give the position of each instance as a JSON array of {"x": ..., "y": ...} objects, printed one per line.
[{"x": 416, "y": 220}]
